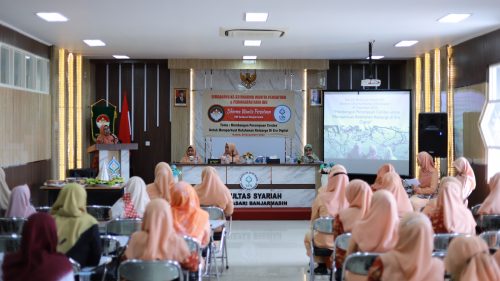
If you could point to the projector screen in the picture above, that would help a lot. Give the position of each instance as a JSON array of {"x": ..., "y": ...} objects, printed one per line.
[{"x": 365, "y": 129}]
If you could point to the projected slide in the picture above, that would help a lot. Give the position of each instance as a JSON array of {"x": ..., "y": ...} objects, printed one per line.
[{"x": 365, "y": 129}]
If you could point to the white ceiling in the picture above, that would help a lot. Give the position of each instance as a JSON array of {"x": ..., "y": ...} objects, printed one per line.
[{"x": 315, "y": 29}]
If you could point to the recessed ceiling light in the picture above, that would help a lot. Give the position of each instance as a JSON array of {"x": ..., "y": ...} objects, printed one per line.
[
  {"x": 253, "y": 17},
  {"x": 375, "y": 57},
  {"x": 249, "y": 57},
  {"x": 94, "y": 42},
  {"x": 252, "y": 43},
  {"x": 52, "y": 17},
  {"x": 121, "y": 57},
  {"x": 406, "y": 43},
  {"x": 453, "y": 18}
]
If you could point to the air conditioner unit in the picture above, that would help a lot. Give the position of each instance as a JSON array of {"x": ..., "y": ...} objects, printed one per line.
[
  {"x": 254, "y": 33},
  {"x": 370, "y": 83}
]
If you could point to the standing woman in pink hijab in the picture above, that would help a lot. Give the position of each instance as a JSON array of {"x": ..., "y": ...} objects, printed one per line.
[
  {"x": 384, "y": 169},
  {"x": 411, "y": 257},
  {"x": 331, "y": 199},
  {"x": 163, "y": 184},
  {"x": 466, "y": 176},
  {"x": 428, "y": 178},
  {"x": 491, "y": 205}
]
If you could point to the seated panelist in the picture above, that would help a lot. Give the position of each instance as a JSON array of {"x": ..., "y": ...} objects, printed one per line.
[
  {"x": 309, "y": 156},
  {"x": 191, "y": 157},
  {"x": 230, "y": 155}
]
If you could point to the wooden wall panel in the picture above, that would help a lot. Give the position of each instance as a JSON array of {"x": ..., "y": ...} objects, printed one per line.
[
  {"x": 179, "y": 78},
  {"x": 144, "y": 159},
  {"x": 315, "y": 115},
  {"x": 21, "y": 41},
  {"x": 268, "y": 64},
  {"x": 34, "y": 175}
]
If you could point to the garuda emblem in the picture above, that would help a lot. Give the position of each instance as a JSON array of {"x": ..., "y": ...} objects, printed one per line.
[{"x": 248, "y": 79}]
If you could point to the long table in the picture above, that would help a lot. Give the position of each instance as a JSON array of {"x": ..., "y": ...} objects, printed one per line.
[
  {"x": 96, "y": 195},
  {"x": 264, "y": 191}
]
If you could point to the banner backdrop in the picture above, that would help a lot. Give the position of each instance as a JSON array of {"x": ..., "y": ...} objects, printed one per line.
[
  {"x": 100, "y": 116},
  {"x": 237, "y": 114}
]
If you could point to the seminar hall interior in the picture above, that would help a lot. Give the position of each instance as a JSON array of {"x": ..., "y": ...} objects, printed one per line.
[{"x": 229, "y": 140}]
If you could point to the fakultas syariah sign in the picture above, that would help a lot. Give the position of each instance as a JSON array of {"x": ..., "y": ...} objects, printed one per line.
[{"x": 241, "y": 114}]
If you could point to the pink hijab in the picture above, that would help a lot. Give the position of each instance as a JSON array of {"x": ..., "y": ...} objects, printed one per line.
[
  {"x": 377, "y": 231},
  {"x": 468, "y": 259},
  {"x": 163, "y": 184},
  {"x": 157, "y": 239},
  {"x": 384, "y": 169},
  {"x": 456, "y": 217},
  {"x": 427, "y": 168},
  {"x": 359, "y": 196},
  {"x": 411, "y": 257},
  {"x": 213, "y": 192},
  {"x": 392, "y": 183},
  {"x": 465, "y": 176},
  {"x": 19, "y": 203},
  {"x": 333, "y": 196},
  {"x": 491, "y": 205}
]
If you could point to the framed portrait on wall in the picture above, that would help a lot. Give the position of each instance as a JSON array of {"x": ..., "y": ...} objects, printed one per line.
[
  {"x": 180, "y": 96},
  {"x": 315, "y": 97}
]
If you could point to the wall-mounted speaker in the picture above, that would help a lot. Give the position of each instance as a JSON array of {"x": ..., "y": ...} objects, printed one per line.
[{"x": 433, "y": 134}]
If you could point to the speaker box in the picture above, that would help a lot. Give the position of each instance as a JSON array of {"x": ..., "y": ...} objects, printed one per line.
[{"x": 433, "y": 133}]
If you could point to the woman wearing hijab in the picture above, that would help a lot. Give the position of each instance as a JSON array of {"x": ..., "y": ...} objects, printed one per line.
[
  {"x": 450, "y": 214},
  {"x": 384, "y": 169},
  {"x": 77, "y": 231},
  {"x": 231, "y": 154},
  {"x": 328, "y": 203},
  {"x": 37, "y": 257},
  {"x": 163, "y": 184},
  {"x": 468, "y": 259},
  {"x": 133, "y": 202},
  {"x": 309, "y": 156},
  {"x": 157, "y": 239},
  {"x": 213, "y": 192},
  {"x": 189, "y": 218},
  {"x": 466, "y": 176},
  {"x": 105, "y": 136},
  {"x": 191, "y": 156},
  {"x": 411, "y": 257},
  {"x": 359, "y": 196},
  {"x": 19, "y": 203},
  {"x": 491, "y": 205},
  {"x": 428, "y": 178},
  {"x": 392, "y": 183},
  {"x": 4, "y": 192}
]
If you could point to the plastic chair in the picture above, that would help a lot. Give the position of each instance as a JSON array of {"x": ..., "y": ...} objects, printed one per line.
[
  {"x": 442, "y": 240},
  {"x": 492, "y": 238},
  {"x": 194, "y": 246},
  {"x": 101, "y": 213},
  {"x": 489, "y": 222},
  {"x": 358, "y": 263},
  {"x": 43, "y": 209},
  {"x": 123, "y": 227},
  {"x": 10, "y": 243},
  {"x": 216, "y": 213},
  {"x": 139, "y": 270},
  {"x": 474, "y": 209},
  {"x": 440, "y": 255},
  {"x": 11, "y": 225},
  {"x": 112, "y": 248},
  {"x": 341, "y": 242},
  {"x": 323, "y": 225}
]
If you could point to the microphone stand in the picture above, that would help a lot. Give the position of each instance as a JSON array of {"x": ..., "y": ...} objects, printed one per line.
[{"x": 232, "y": 158}]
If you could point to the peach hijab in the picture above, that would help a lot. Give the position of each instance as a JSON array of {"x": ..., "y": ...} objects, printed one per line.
[
  {"x": 456, "y": 217},
  {"x": 392, "y": 183},
  {"x": 189, "y": 218},
  {"x": 427, "y": 168},
  {"x": 465, "y": 175},
  {"x": 377, "y": 231},
  {"x": 491, "y": 205},
  {"x": 163, "y": 184},
  {"x": 411, "y": 257},
  {"x": 359, "y": 195},
  {"x": 384, "y": 169},
  {"x": 157, "y": 239},
  {"x": 468, "y": 259},
  {"x": 213, "y": 192},
  {"x": 196, "y": 158},
  {"x": 233, "y": 152},
  {"x": 333, "y": 196}
]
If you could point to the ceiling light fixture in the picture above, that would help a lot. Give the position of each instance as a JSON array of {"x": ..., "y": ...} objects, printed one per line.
[
  {"x": 249, "y": 57},
  {"x": 52, "y": 17},
  {"x": 375, "y": 57},
  {"x": 256, "y": 17},
  {"x": 94, "y": 42},
  {"x": 453, "y": 18},
  {"x": 252, "y": 43},
  {"x": 121, "y": 57},
  {"x": 406, "y": 43}
]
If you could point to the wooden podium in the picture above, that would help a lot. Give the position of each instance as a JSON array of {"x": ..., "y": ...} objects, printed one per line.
[{"x": 109, "y": 153}]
